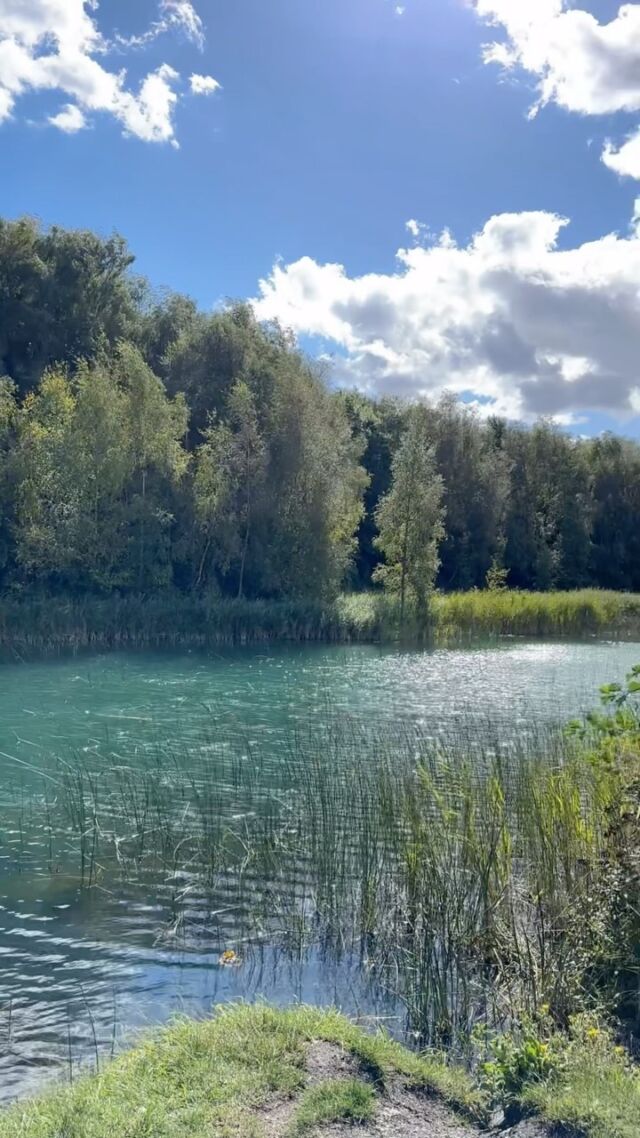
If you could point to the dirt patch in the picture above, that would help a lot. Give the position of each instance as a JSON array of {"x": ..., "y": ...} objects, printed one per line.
[
  {"x": 326, "y": 1061},
  {"x": 404, "y": 1114},
  {"x": 323, "y": 1061},
  {"x": 400, "y": 1113}
]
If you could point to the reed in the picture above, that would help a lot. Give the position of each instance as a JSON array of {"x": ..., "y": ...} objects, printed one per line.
[
  {"x": 35, "y": 625},
  {"x": 505, "y": 612},
  {"x": 461, "y": 873},
  {"x": 45, "y": 625}
]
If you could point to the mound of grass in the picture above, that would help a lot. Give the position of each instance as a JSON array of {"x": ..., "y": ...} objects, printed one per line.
[
  {"x": 383, "y": 1058},
  {"x": 335, "y": 1100},
  {"x": 209, "y": 1080}
]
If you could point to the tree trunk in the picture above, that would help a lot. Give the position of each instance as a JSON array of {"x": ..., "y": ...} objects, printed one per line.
[
  {"x": 142, "y": 533},
  {"x": 202, "y": 561},
  {"x": 245, "y": 544},
  {"x": 403, "y": 572}
]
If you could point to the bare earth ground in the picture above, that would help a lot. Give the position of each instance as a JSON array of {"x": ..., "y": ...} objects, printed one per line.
[{"x": 400, "y": 1112}]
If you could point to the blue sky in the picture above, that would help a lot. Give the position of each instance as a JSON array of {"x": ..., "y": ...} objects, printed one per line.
[{"x": 337, "y": 122}]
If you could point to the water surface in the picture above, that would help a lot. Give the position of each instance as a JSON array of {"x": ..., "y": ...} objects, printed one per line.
[{"x": 80, "y": 968}]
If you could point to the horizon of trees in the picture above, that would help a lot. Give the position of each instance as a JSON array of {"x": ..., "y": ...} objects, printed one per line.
[{"x": 145, "y": 444}]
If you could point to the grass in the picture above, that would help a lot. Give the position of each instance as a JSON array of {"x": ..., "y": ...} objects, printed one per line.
[
  {"x": 335, "y": 1100},
  {"x": 33, "y": 624},
  {"x": 467, "y": 876},
  {"x": 211, "y": 1079}
]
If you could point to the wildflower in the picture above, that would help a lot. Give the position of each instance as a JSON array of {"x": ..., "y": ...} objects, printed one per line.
[{"x": 592, "y": 1033}]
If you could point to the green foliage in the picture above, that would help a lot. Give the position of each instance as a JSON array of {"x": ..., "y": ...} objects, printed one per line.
[
  {"x": 142, "y": 484},
  {"x": 509, "y": 612},
  {"x": 517, "y": 1058},
  {"x": 64, "y": 295},
  {"x": 497, "y": 578}
]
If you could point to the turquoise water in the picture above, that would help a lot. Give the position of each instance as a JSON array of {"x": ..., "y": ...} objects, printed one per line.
[{"x": 81, "y": 968}]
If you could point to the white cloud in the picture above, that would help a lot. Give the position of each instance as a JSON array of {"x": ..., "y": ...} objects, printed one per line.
[
  {"x": 181, "y": 14},
  {"x": 203, "y": 85},
  {"x": 525, "y": 326},
  {"x": 70, "y": 119},
  {"x": 175, "y": 15},
  {"x": 625, "y": 159},
  {"x": 583, "y": 65},
  {"x": 51, "y": 45}
]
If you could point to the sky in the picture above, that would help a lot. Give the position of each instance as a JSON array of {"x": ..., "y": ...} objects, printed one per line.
[{"x": 435, "y": 195}]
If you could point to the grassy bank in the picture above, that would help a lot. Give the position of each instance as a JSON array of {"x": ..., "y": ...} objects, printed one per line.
[
  {"x": 36, "y": 624},
  {"x": 511, "y": 613},
  {"x": 248, "y": 1072},
  {"x": 217, "y": 1078}
]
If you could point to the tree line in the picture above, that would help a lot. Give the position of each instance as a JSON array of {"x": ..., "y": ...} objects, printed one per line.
[{"x": 145, "y": 444}]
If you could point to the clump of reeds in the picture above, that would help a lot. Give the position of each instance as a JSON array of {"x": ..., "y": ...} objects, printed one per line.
[{"x": 507, "y": 612}]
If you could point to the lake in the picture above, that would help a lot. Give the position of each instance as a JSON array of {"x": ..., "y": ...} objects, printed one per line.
[{"x": 87, "y": 960}]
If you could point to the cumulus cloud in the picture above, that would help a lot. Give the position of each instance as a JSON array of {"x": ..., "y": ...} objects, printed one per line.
[
  {"x": 56, "y": 45},
  {"x": 70, "y": 119},
  {"x": 583, "y": 65},
  {"x": 203, "y": 85},
  {"x": 527, "y": 327}
]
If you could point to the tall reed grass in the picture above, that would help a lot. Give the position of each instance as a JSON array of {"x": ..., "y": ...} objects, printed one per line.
[
  {"x": 165, "y": 620},
  {"x": 465, "y": 875},
  {"x": 511, "y": 613},
  {"x": 32, "y": 624}
]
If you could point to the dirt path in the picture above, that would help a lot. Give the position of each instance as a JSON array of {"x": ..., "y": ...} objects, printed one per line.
[{"x": 399, "y": 1111}]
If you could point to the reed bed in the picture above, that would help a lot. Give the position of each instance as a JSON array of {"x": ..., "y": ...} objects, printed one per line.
[
  {"x": 465, "y": 875},
  {"x": 44, "y": 625},
  {"x": 584, "y": 612},
  {"x": 35, "y": 625}
]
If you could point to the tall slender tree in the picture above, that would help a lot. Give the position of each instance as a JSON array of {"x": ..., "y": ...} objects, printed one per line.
[{"x": 410, "y": 518}]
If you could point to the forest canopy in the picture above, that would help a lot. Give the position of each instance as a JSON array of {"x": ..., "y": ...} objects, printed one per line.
[{"x": 145, "y": 444}]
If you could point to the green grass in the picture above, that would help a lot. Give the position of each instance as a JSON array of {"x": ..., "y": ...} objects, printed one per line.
[
  {"x": 210, "y": 1079},
  {"x": 500, "y": 612},
  {"x": 335, "y": 1100}
]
